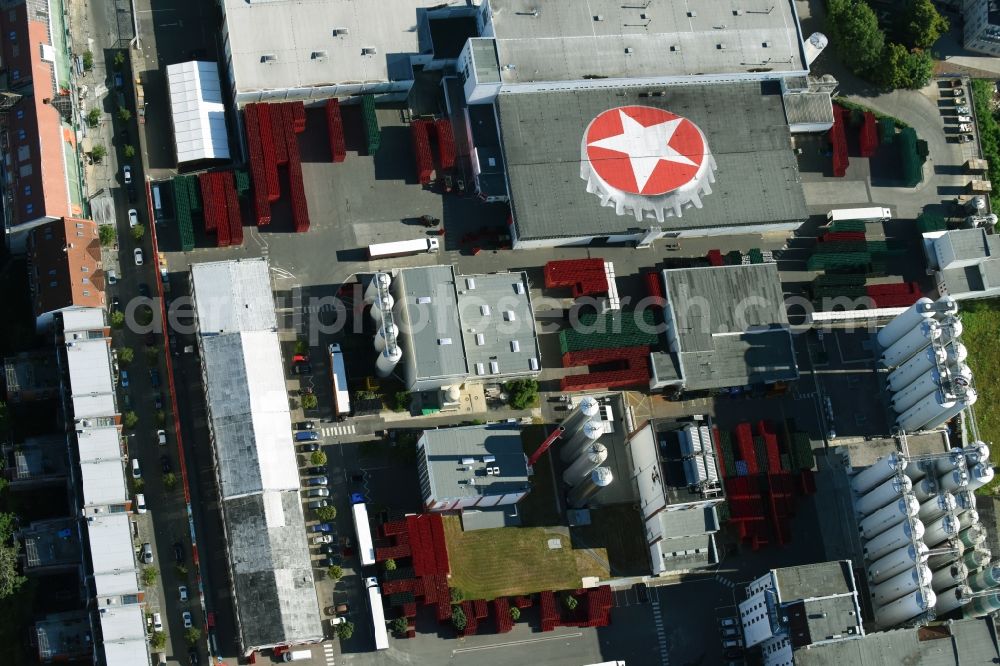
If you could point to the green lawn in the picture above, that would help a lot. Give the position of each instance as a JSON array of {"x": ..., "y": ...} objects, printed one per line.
[
  {"x": 486, "y": 564},
  {"x": 981, "y": 321}
]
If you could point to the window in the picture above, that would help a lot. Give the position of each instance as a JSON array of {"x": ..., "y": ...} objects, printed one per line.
[
  {"x": 15, "y": 74},
  {"x": 20, "y": 114},
  {"x": 86, "y": 293},
  {"x": 29, "y": 209},
  {"x": 21, "y": 134},
  {"x": 85, "y": 269},
  {"x": 13, "y": 36},
  {"x": 86, "y": 280},
  {"x": 27, "y": 190}
]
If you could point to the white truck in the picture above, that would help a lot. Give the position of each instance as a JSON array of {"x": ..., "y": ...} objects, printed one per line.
[
  {"x": 871, "y": 214},
  {"x": 378, "y": 614},
  {"x": 338, "y": 380},
  {"x": 402, "y": 248},
  {"x": 297, "y": 655}
]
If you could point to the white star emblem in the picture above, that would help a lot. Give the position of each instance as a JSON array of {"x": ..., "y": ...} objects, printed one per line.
[{"x": 645, "y": 146}]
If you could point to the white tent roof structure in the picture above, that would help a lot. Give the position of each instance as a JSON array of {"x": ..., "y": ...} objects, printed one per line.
[{"x": 197, "y": 111}]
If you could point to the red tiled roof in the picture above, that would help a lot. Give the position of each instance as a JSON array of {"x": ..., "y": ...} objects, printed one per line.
[{"x": 65, "y": 265}]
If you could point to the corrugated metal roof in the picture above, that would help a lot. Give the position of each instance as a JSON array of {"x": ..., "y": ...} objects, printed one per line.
[
  {"x": 197, "y": 111},
  {"x": 233, "y": 296},
  {"x": 444, "y": 449},
  {"x": 808, "y": 107}
]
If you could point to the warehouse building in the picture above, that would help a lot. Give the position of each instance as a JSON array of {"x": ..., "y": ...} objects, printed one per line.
[
  {"x": 255, "y": 465},
  {"x": 726, "y": 327},
  {"x": 472, "y": 467},
  {"x": 966, "y": 262},
  {"x": 197, "y": 112}
]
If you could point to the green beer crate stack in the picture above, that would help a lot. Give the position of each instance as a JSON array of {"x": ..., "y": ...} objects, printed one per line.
[
  {"x": 728, "y": 459},
  {"x": 242, "y": 183},
  {"x": 372, "y": 132},
  {"x": 183, "y": 213},
  {"x": 610, "y": 331},
  {"x": 841, "y": 226}
]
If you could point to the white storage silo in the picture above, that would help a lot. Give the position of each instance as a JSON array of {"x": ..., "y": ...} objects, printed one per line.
[
  {"x": 814, "y": 46},
  {"x": 900, "y": 584},
  {"x": 911, "y": 394},
  {"x": 945, "y": 307},
  {"x": 949, "y": 576},
  {"x": 878, "y": 472},
  {"x": 918, "y": 364},
  {"x": 957, "y": 353},
  {"x": 925, "y": 488},
  {"x": 972, "y": 536},
  {"x": 895, "y": 537},
  {"x": 598, "y": 479},
  {"x": 959, "y": 376},
  {"x": 966, "y": 500},
  {"x": 897, "y": 561},
  {"x": 387, "y": 360},
  {"x": 941, "y": 529},
  {"x": 904, "y": 322},
  {"x": 904, "y": 608},
  {"x": 943, "y": 559},
  {"x": 967, "y": 519},
  {"x": 983, "y": 606},
  {"x": 953, "y": 481},
  {"x": 589, "y": 460},
  {"x": 690, "y": 440},
  {"x": 977, "y": 452},
  {"x": 916, "y": 470},
  {"x": 976, "y": 558},
  {"x": 922, "y": 335},
  {"x": 980, "y": 475},
  {"x": 386, "y": 335},
  {"x": 928, "y": 411},
  {"x": 584, "y": 437},
  {"x": 951, "y": 328},
  {"x": 937, "y": 506},
  {"x": 378, "y": 280},
  {"x": 585, "y": 410},
  {"x": 966, "y": 400},
  {"x": 882, "y": 494},
  {"x": 952, "y": 598},
  {"x": 988, "y": 578},
  {"x": 889, "y": 515},
  {"x": 381, "y": 305},
  {"x": 949, "y": 461},
  {"x": 706, "y": 440}
]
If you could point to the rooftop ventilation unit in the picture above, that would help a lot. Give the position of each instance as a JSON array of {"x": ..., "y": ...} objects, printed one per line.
[
  {"x": 692, "y": 14},
  {"x": 470, "y": 283},
  {"x": 268, "y": 58},
  {"x": 484, "y": 310},
  {"x": 467, "y": 460},
  {"x": 369, "y": 51},
  {"x": 519, "y": 288},
  {"x": 720, "y": 46},
  {"x": 480, "y": 369},
  {"x": 444, "y": 341},
  {"x": 496, "y": 471},
  {"x": 319, "y": 55},
  {"x": 515, "y": 346},
  {"x": 489, "y": 459},
  {"x": 423, "y": 300},
  {"x": 598, "y": 17},
  {"x": 766, "y": 45},
  {"x": 533, "y": 363},
  {"x": 675, "y": 48},
  {"x": 489, "y": 471},
  {"x": 480, "y": 339},
  {"x": 337, "y": 32},
  {"x": 737, "y": 12},
  {"x": 628, "y": 50},
  {"x": 509, "y": 315},
  {"x": 494, "y": 368}
]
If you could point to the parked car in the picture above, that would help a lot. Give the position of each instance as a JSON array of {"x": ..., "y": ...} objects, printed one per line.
[
  {"x": 315, "y": 469},
  {"x": 333, "y": 550},
  {"x": 193, "y": 656},
  {"x": 136, "y": 470},
  {"x": 112, "y": 276},
  {"x": 732, "y": 643},
  {"x": 322, "y": 538},
  {"x": 322, "y": 527},
  {"x": 182, "y": 592},
  {"x": 306, "y": 436},
  {"x": 964, "y": 138},
  {"x": 318, "y": 492},
  {"x": 161, "y": 435},
  {"x": 337, "y": 620},
  {"x": 133, "y": 217},
  {"x": 309, "y": 448},
  {"x": 165, "y": 464},
  {"x": 730, "y": 632},
  {"x": 147, "y": 554},
  {"x": 317, "y": 504},
  {"x": 140, "y": 503},
  {"x": 642, "y": 593},
  {"x": 305, "y": 425},
  {"x": 300, "y": 358},
  {"x": 118, "y": 80},
  {"x": 123, "y": 378},
  {"x": 964, "y": 110},
  {"x": 186, "y": 618},
  {"x": 302, "y": 369},
  {"x": 137, "y": 255},
  {"x": 144, "y": 289},
  {"x": 965, "y": 127},
  {"x": 329, "y": 562},
  {"x": 179, "y": 552},
  {"x": 157, "y": 622},
  {"x": 158, "y": 405},
  {"x": 154, "y": 378},
  {"x": 127, "y": 174},
  {"x": 317, "y": 481},
  {"x": 727, "y": 622}
]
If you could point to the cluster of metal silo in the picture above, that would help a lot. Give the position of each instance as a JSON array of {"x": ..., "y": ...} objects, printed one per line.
[
  {"x": 922, "y": 541},
  {"x": 930, "y": 382},
  {"x": 584, "y": 453},
  {"x": 698, "y": 454},
  {"x": 381, "y": 301}
]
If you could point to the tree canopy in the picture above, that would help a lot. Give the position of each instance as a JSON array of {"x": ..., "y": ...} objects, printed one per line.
[
  {"x": 10, "y": 579},
  {"x": 855, "y": 34},
  {"x": 922, "y": 24},
  {"x": 905, "y": 69}
]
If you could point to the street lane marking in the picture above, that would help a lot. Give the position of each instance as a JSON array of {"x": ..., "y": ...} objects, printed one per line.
[
  {"x": 339, "y": 430},
  {"x": 527, "y": 641}
]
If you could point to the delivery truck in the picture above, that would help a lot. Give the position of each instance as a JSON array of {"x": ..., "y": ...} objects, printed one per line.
[{"x": 402, "y": 248}]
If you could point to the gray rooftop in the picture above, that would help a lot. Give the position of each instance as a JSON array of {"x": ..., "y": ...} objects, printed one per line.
[
  {"x": 688, "y": 523},
  {"x": 502, "y": 332},
  {"x": 970, "y": 642},
  {"x": 52, "y": 543},
  {"x": 562, "y": 40},
  {"x": 272, "y": 572},
  {"x": 983, "y": 276},
  {"x": 444, "y": 449},
  {"x": 818, "y": 620},
  {"x": 808, "y": 107},
  {"x": 810, "y": 581},
  {"x": 972, "y": 243},
  {"x": 484, "y": 53},
  {"x": 425, "y": 326},
  {"x": 731, "y": 325},
  {"x": 757, "y": 181},
  {"x": 686, "y": 558},
  {"x": 233, "y": 296}
]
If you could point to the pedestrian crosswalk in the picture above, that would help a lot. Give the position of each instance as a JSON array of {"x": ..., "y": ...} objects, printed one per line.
[
  {"x": 661, "y": 635},
  {"x": 336, "y": 431},
  {"x": 328, "y": 653},
  {"x": 725, "y": 581}
]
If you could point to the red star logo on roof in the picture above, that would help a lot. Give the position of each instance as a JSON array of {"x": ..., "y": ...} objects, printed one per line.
[{"x": 644, "y": 150}]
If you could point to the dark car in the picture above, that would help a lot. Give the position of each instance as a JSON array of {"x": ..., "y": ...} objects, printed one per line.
[
  {"x": 306, "y": 436},
  {"x": 154, "y": 378},
  {"x": 116, "y": 304},
  {"x": 193, "y": 656},
  {"x": 305, "y": 425},
  {"x": 150, "y": 339},
  {"x": 302, "y": 369},
  {"x": 330, "y": 562},
  {"x": 316, "y": 469},
  {"x": 179, "y": 552},
  {"x": 158, "y": 402},
  {"x": 642, "y": 593},
  {"x": 165, "y": 464},
  {"x": 323, "y": 527},
  {"x": 332, "y": 549},
  {"x": 144, "y": 289},
  {"x": 309, "y": 448}
]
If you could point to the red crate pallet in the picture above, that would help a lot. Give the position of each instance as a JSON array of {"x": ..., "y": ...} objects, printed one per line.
[
  {"x": 298, "y": 116},
  {"x": 481, "y": 609},
  {"x": 549, "y": 612},
  {"x": 422, "y": 151},
  {"x": 834, "y": 236},
  {"x": 232, "y": 208},
  {"x": 715, "y": 257},
  {"x": 719, "y": 458},
  {"x": 744, "y": 445},
  {"x": 446, "y": 143},
  {"x": 270, "y": 158},
  {"x": 602, "y": 356},
  {"x": 471, "y": 621},
  {"x": 262, "y": 207},
  {"x": 617, "y": 379},
  {"x": 501, "y": 613},
  {"x": 897, "y": 288},
  {"x": 838, "y": 140},
  {"x": 585, "y": 277},
  {"x": 394, "y": 527},
  {"x": 523, "y": 601},
  {"x": 279, "y": 128},
  {"x": 868, "y": 138},
  {"x": 335, "y": 131},
  {"x": 654, "y": 287},
  {"x": 410, "y": 610}
]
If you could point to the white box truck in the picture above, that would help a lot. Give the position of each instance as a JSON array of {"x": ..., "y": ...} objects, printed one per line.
[
  {"x": 297, "y": 655},
  {"x": 872, "y": 214},
  {"x": 402, "y": 248}
]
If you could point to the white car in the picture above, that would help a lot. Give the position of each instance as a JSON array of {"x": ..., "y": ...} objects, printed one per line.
[
  {"x": 323, "y": 538},
  {"x": 157, "y": 622},
  {"x": 161, "y": 435},
  {"x": 136, "y": 470},
  {"x": 137, "y": 254},
  {"x": 127, "y": 174},
  {"x": 371, "y": 581},
  {"x": 147, "y": 554},
  {"x": 186, "y": 616},
  {"x": 182, "y": 592},
  {"x": 140, "y": 503},
  {"x": 133, "y": 217}
]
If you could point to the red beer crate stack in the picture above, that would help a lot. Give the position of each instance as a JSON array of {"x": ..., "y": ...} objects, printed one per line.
[
  {"x": 258, "y": 171},
  {"x": 585, "y": 277},
  {"x": 633, "y": 363},
  {"x": 471, "y": 621},
  {"x": 523, "y": 602},
  {"x": 765, "y": 429},
  {"x": 299, "y": 117},
  {"x": 838, "y": 140},
  {"x": 719, "y": 458},
  {"x": 654, "y": 286},
  {"x": 832, "y": 236},
  {"x": 715, "y": 257},
  {"x": 550, "y": 614},
  {"x": 446, "y": 143},
  {"x": 869, "y": 135},
  {"x": 266, "y": 128},
  {"x": 300, "y": 208},
  {"x": 744, "y": 443},
  {"x": 422, "y": 151},
  {"x": 501, "y": 613},
  {"x": 232, "y": 208},
  {"x": 335, "y": 131},
  {"x": 898, "y": 295}
]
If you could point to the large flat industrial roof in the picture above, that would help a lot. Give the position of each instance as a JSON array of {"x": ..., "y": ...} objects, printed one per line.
[
  {"x": 300, "y": 44},
  {"x": 113, "y": 554},
  {"x": 445, "y": 448},
  {"x": 730, "y": 324},
  {"x": 102, "y": 475},
  {"x": 502, "y": 332},
  {"x": 123, "y": 635},
  {"x": 197, "y": 111},
  {"x": 757, "y": 181},
  {"x": 429, "y": 325},
  {"x": 564, "y": 40},
  {"x": 233, "y": 296},
  {"x": 812, "y": 581}
]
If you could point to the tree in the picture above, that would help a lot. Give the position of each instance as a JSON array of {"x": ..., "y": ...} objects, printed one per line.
[
  {"x": 88, "y": 61},
  {"x": 152, "y": 354},
  {"x": 922, "y": 24},
  {"x": 301, "y": 347},
  {"x": 335, "y": 572},
  {"x": 130, "y": 419},
  {"x": 309, "y": 401},
  {"x": 93, "y": 117},
  {"x": 570, "y": 602},
  {"x": 98, "y": 152},
  {"x": 905, "y": 69},
  {"x": 138, "y": 485},
  {"x": 169, "y": 480},
  {"x": 138, "y": 231},
  {"x": 522, "y": 393},
  {"x": 128, "y": 151},
  {"x": 158, "y": 641},
  {"x": 515, "y": 613},
  {"x": 326, "y": 513},
  {"x": 181, "y": 570},
  {"x": 390, "y": 564},
  {"x": 456, "y": 595},
  {"x": 148, "y": 576},
  {"x": 119, "y": 60},
  {"x": 117, "y": 319},
  {"x": 401, "y": 401},
  {"x": 10, "y": 580},
  {"x": 192, "y": 635},
  {"x": 853, "y": 29},
  {"x": 144, "y": 315},
  {"x": 161, "y": 417},
  {"x": 399, "y": 625},
  {"x": 124, "y": 114},
  {"x": 317, "y": 458},
  {"x": 126, "y": 355},
  {"x": 107, "y": 234},
  {"x": 458, "y": 618},
  {"x": 345, "y": 630}
]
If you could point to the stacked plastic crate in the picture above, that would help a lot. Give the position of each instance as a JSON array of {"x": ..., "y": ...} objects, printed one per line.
[
  {"x": 585, "y": 277},
  {"x": 868, "y": 137},
  {"x": 446, "y": 143},
  {"x": 897, "y": 295},
  {"x": 234, "y": 218},
  {"x": 373, "y": 134},
  {"x": 300, "y": 208},
  {"x": 632, "y": 362},
  {"x": 265, "y": 123},
  {"x": 501, "y": 613},
  {"x": 838, "y": 141},
  {"x": 262, "y": 207},
  {"x": 335, "y": 131},
  {"x": 182, "y": 207},
  {"x": 549, "y": 612},
  {"x": 419, "y": 133},
  {"x": 715, "y": 257}
]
